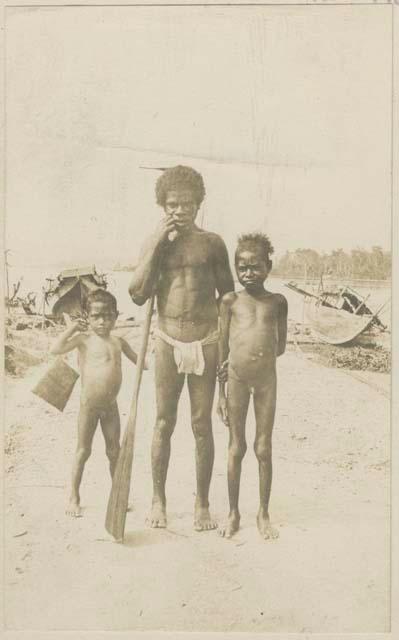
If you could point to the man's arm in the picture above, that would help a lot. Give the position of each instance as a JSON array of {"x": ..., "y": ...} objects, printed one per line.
[
  {"x": 223, "y": 276},
  {"x": 65, "y": 342},
  {"x": 145, "y": 274},
  {"x": 282, "y": 325}
]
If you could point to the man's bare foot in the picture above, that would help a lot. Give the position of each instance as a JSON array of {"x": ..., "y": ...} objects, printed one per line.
[
  {"x": 203, "y": 520},
  {"x": 157, "y": 519},
  {"x": 231, "y": 527},
  {"x": 265, "y": 528},
  {"x": 73, "y": 509}
]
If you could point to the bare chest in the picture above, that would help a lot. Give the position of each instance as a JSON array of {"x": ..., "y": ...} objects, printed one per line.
[
  {"x": 190, "y": 254},
  {"x": 249, "y": 313},
  {"x": 99, "y": 352}
]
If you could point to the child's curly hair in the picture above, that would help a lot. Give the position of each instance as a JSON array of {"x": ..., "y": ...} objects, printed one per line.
[
  {"x": 100, "y": 295},
  {"x": 255, "y": 240},
  {"x": 177, "y": 178}
]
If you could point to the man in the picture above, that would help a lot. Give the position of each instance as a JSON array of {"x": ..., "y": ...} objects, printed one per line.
[{"x": 186, "y": 266}]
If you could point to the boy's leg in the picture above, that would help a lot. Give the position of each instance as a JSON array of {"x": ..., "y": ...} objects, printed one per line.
[
  {"x": 237, "y": 408},
  {"x": 87, "y": 423},
  {"x": 265, "y": 408},
  {"x": 168, "y": 386},
  {"x": 202, "y": 390},
  {"x": 111, "y": 428}
]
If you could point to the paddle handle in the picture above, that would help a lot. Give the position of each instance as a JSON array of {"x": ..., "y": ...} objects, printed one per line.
[
  {"x": 119, "y": 496},
  {"x": 141, "y": 357}
]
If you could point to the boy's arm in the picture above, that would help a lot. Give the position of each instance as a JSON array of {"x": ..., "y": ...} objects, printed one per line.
[
  {"x": 65, "y": 342},
  {"x": 128, "y": 351},
  {"x": 223, "y": 352},
  {"x": 224, "y": 327},
  {"x": 282, "y": 325}
]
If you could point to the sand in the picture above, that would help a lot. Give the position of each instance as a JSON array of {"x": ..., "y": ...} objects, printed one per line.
[{"x": 328, "y": 571}]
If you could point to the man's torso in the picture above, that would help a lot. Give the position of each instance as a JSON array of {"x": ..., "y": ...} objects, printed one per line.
[{"x": 186, "y": 291}]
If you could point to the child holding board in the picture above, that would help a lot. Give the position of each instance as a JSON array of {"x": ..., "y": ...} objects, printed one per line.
[{"x": 99, "y": 355}]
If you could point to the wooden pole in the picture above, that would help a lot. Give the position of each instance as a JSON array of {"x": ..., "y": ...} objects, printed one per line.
[
  {"x": 7, "y": 282},
  {"x": 43, "y": 310},
  {"x": 119, "y": 496}
]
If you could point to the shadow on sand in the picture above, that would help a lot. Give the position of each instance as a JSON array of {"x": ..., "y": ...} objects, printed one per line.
[{"x": 148, "y": 537}]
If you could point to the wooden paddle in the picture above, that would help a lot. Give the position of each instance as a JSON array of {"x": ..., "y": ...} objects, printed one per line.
[{"x": 119, "y": 496}]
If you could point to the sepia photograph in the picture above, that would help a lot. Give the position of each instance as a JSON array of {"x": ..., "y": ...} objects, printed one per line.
[{"x": 197, "y": 252}]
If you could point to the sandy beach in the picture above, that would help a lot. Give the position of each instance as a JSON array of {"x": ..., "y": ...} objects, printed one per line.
[{"x": 328, "y": 571}]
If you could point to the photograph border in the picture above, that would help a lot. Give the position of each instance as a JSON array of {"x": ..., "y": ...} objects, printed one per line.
[{"x": 394, "y": 488}]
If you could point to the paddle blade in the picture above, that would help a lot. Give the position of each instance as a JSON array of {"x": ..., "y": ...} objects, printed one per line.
[{"x": 119, "y": 497}]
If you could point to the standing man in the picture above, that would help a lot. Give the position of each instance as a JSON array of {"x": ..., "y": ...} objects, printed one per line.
[{"x": 187, "y": 266}]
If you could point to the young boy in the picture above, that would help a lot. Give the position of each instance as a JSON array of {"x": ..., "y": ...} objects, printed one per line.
[
  {"x": 99, "y": 356},
  {"x": 253, "y": 325}
]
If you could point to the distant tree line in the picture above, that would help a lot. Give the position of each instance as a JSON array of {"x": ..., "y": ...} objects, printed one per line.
[{"x": 374, "y": 264}]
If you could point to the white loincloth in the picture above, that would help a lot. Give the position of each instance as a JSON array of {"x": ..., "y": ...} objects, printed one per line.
[{"x": 189, "y": 356}]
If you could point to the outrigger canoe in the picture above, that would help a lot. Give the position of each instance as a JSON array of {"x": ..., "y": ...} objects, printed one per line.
[
  {"x": 67, "y": 293},
  {"x": 338, "y": 317}
]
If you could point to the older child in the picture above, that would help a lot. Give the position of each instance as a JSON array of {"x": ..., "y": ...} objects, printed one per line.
[
  {"x": 99, "y": 355},
  {"x": 253, "y": 326}
]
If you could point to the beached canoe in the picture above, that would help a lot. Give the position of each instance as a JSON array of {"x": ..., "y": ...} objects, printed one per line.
[
  {"x": 68, "y": 292},
  {"x": 338, "y": 317},
  {"x": 335, "y": 326}
]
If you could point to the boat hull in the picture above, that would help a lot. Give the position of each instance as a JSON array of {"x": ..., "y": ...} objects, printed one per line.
[
  {"x": 71, "y": 294},
  {"x": 335, "y": 326}
]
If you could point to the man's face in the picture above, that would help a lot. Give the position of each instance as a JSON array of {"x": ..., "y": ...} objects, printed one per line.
[
  {"x": 180, "y": 204},
  {"x": 101, "y": 318},
  {"x": 252, "y": 269}
]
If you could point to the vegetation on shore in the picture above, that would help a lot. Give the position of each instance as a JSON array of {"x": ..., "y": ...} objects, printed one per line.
[{"x": 374, "y": 264}]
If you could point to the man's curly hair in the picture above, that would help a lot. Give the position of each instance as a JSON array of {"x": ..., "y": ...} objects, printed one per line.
[
  {"x": 179, "y": 177},
  {"x": 256, "y": 240}
]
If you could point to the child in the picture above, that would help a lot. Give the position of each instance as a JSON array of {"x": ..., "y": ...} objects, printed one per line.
[
  {"x": 99, "y": 356},
  {"x": 253, "y": 326}
]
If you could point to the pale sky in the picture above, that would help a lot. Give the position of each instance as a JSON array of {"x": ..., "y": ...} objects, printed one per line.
[{"x": 285, "y": 110}]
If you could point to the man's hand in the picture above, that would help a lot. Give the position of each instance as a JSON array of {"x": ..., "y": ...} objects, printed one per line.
[
  {"x": 165, "y": 227},
  {"x": 222, "y": 410}
]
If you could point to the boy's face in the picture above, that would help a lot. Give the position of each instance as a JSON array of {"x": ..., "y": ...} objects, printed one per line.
[
  {"x": 252, "y": 269},
  {"x": 101, "y": 318},
  {"x": 181, "y": 205}
]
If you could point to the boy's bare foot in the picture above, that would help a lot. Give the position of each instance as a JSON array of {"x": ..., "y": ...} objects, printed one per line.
[
  {"x": 157, "y": 519},
  {"x": 73, "y": 509},
  {"x": 203, "y": 520},
  {"x": 231, "y": 527},
  {"x": 265, "y": 528}
]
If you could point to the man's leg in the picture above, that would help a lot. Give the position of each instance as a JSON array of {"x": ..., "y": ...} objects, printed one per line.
[
  {"x": 202, "y": 390},
  {"x": 111, "y": 428},
  {"x": 168, "y": 386},
  {"x": 265, "y": 408},
  {"x": 87, "y": 423},
  {"x": 237, "y": 408}
]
